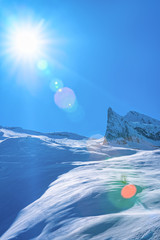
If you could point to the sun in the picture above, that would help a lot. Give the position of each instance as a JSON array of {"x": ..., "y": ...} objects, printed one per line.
[{"x": 26, "y": 43}]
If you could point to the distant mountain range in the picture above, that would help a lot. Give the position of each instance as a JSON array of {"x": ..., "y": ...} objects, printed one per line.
[{"x": 133, "y": 129}]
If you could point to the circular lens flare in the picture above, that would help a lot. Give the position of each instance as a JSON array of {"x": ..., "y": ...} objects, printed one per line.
[
  {"x": 65, "y": 98},
  {"x": 76, "y": 113},
  {"x": 42, "y": 64},
  {"x": 56, "y": 85},
  {"x": 128, "y": 191}
]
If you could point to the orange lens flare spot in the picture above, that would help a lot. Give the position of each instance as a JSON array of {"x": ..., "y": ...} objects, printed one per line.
[{"x": 128, "y": 191}]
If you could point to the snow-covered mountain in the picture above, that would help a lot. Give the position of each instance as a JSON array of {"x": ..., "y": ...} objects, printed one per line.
[
  {"x": 63, "y": 186},
  {"x": 134, "y": 129}
]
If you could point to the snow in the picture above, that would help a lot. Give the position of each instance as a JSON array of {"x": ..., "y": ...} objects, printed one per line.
[
  {"x": 134, "y": 129},
  {"x": 64, "y": 186},
  {"x": 133, "y": 116}
]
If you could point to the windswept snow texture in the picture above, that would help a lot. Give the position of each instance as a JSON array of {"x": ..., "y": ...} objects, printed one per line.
[
  {"x": 66, "y": 187},
  {"x": 134, "y": 129}
]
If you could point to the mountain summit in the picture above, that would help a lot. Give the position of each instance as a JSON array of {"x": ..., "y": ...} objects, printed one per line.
[{"x": 133, "y": 128}]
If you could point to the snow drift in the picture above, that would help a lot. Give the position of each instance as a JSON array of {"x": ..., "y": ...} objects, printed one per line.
[{"x": 64, "y": 186}]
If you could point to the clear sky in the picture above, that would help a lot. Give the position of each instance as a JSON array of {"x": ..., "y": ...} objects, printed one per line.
[{"x": 107, "y": 52}]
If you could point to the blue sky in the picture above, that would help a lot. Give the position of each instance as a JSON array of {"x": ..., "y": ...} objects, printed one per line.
[{"x": 107, "y": 52}]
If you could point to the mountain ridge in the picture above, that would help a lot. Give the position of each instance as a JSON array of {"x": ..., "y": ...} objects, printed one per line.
[{"x": 133, "y": 127}]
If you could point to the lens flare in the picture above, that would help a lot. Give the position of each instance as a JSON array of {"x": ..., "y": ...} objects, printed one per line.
[
  {"x": 76, "y": 113},
  {"x": 42, "y": 64},
  {"x": 65, "y": 98},
  {"x": 115, "y": 198},
  {"x": 56, "y": 85},
  {"x": 128, "y": 191}
]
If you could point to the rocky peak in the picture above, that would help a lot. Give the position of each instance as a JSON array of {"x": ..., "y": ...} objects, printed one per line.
[
  {"x": 133, "y": 116},
  {"x": 132, "y": 127}
]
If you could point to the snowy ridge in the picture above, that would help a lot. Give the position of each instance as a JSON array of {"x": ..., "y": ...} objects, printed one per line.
[
  {"x": 134, "y": 129},
  {"x": 54, "y": 187}
]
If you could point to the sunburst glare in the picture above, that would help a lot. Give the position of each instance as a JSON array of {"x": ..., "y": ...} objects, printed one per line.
[{"x": 26, "y": 42}]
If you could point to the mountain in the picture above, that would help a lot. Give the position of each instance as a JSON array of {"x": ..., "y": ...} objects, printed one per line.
[
  {"x": 64, "y": 186},
  {"x": 134, "y": 129}
]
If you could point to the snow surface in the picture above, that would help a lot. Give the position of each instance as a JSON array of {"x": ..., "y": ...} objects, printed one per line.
[{"x": 63, "y": 186}]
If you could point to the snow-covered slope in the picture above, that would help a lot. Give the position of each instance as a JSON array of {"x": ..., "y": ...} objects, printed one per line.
[
  {"x": 134, "y": 129},
  {"x": 63, "y": 186}
]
